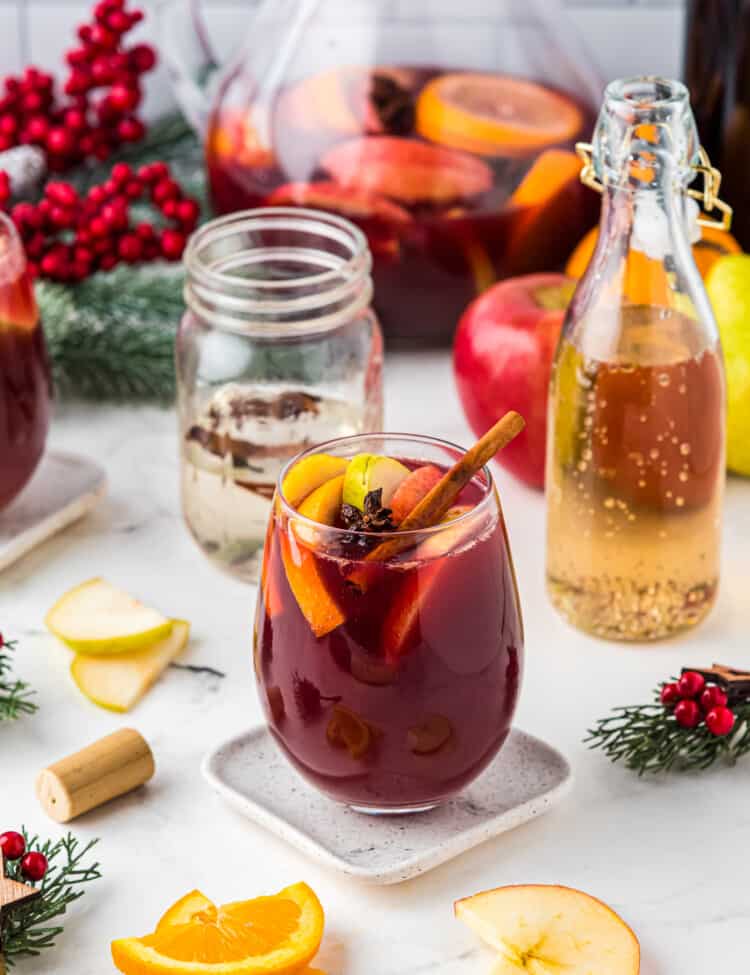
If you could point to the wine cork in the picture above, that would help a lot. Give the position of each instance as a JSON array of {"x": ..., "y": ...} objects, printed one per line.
[{"x": 102, "y": 771}]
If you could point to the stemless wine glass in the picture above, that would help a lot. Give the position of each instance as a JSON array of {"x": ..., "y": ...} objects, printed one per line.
[{"x": 389, "y": 684}]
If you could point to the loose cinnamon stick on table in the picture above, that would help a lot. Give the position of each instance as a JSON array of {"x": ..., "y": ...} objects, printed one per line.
[{"x": 435, "y": 505}]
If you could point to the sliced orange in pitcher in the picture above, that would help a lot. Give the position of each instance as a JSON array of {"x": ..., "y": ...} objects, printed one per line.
[
  {"x": 346, "y": 729},
  {"x": 276, "y": 935},
  {"x": 495, "y": 115}
]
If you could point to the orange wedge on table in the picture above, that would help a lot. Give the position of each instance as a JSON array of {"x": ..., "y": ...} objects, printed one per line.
[{"x": 277, "y": 935}]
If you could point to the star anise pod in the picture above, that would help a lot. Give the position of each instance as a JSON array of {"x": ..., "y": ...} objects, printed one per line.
[
  {"x": 308, "y": 698},
  {"x": 374, "y": 518}
]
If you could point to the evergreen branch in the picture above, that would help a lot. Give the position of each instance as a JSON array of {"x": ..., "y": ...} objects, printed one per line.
[
  {"x": 112, "y": 336},
  {"x": 647, "y": 738},
  {"x": 26, "y": 930},
  {"x": 14, "y": 694}
]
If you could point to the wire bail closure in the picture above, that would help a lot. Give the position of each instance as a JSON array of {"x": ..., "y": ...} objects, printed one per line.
[{"x": 708, "y": 196}]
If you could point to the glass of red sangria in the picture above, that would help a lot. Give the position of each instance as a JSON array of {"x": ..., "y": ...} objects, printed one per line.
[
  {"x": 389, "y": 660},
  {"x": 25, "y": 385}
]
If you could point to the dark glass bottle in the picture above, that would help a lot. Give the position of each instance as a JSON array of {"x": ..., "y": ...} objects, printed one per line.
[{"x": 717, "y": 72}]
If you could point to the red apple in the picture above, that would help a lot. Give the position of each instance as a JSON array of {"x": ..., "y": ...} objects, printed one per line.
[{"x": 502, "y": 357}]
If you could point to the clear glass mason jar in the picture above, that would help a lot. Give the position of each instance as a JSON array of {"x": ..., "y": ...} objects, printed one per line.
[{"x": 278, "y": 350}]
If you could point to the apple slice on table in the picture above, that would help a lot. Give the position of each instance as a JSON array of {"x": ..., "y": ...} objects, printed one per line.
[
  {"x": 117, "y": 683},
  {"x": 546, "y": 930},
  {"x": 96, "y": 618}
]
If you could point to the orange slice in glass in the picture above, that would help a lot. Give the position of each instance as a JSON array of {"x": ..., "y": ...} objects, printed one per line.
[
  {"x": 495, "y": 115},
  {"x": 346, "y": 729},
  {"x": 275, "y": 935},
  {"x": 303, "y": 574}
]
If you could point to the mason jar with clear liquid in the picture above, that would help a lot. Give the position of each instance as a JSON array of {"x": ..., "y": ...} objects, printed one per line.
[
  {"x": 278, "y": 350},
  {"x": 636, "y": 436}
]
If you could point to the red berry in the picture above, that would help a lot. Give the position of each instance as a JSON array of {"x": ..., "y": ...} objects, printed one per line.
[
  {"x": 75, "y": 120},
  {"x": 64, "y": 194},
  {"x": 107, "y": 262},
  {"x": 33, "y": 268},
  {"x": 79, "y": 81},
  {"x": 713, "y": 697},
  {"x": 32, "y": 101},
  {"x": 130, "y": 248},
  {"x": 5, "y": 189},
  {"x": 59, "y": 141},
  {"x": 121, "y": 173},
  {"x": 165, "y": 189},
  {"x": 172, "y": 244},
  {"x": 52, "y": 265},
  {"x": 131, "y": 129},
  {"x": 146, "y": 232},
  {"x": 670, "y": 695},
  {"x": 720, "y": 721},
  {"x": 12, "y": 845},
  {"x": 37, "y": 129},
  {"x": 101, "y": 71},
  {"x": 133, "y": 189},
  {"x": 122, "y": 98},
  {"x": 143, "y": 57},
  {"x": 687, "y": 714},
  {"x": 153, "y": 172},
  {"x": 691, "y": 684},
  {"x": 34, "y": 865},
  {"x": 8, "y": 124},
  {"x": 7, "y": 142},
  {"x": 188, "y": 212},
  {"x": 77, "y": 56},
  {"x": 118, "y": 22},
  {"x": 84, "y": 32},
  {"x": 101, "y": 37},
  {"x": 169, "y": 209},
  {"x": 98, "y": 228},
  {"x": 102, "y": 151}
]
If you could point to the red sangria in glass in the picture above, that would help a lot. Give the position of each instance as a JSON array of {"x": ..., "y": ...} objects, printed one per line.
[
  {"x": 25, "y": 387},
  {"x": 389, "y": 683}
]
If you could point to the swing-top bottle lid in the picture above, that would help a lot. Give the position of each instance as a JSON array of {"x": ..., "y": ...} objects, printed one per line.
[{"x": 643, "y": 122}]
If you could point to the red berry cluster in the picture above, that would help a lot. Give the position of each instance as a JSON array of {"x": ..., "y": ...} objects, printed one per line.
[
  {"x": 97, "y": 112},
  {"x": 694, "y": 701},
  {"x": 67, "y": 236},
  {"x": 13, "y": 847}
]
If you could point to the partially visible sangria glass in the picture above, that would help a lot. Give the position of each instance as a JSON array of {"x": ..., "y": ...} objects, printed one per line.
[
  {"x": 390, "y": 683},
  {"x": 278, "y": 350},
  {"x": 458, "y": 178},
  {"x": 25, "y": 383}
]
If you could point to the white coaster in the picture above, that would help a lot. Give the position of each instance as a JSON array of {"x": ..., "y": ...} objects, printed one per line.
[
  {"x": 63, "y": 488},
  {"x": 526, "y": 779}
]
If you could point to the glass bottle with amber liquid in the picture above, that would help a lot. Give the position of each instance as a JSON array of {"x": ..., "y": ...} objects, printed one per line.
[{"x": 635, "y": 453}]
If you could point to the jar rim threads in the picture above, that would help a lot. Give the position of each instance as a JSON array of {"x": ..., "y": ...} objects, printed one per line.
[{"x": 278, "y": 271}]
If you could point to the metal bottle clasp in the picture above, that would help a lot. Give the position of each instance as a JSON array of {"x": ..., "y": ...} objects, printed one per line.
[{"x": 708, "y": 196}]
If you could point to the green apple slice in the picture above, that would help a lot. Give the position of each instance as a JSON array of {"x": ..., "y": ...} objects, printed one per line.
[
  {"x": 118, "y": 683},
  {"x": 96, "y": 618},
  {"x": 370, "y": 472}
]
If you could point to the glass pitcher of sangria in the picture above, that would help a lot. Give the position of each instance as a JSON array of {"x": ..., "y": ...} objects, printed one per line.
[
  {"x": 25, "y": 387},
  {"x": 445, "y": 131}
]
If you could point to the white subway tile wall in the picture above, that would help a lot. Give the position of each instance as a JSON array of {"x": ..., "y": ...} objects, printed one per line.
[{"x": 623, "y": 36}]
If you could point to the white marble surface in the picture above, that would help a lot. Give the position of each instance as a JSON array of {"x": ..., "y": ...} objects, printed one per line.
[{"x": 671, "y": 855}]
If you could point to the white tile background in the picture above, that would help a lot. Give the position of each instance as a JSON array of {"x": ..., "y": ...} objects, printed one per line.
[{"x": 624, "y": 36}]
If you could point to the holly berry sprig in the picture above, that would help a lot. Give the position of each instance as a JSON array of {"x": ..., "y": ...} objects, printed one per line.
[
  {"x": 695, "y": 720},
  {"x": 15, "y": 694},
  {"x": 59, "y": 869},
  {"x": 68, "y": 236},
  {"x": 96, "y": 111}
]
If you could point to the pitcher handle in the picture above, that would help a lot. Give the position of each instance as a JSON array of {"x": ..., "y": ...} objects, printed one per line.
[{"x": 189, "y": 57}]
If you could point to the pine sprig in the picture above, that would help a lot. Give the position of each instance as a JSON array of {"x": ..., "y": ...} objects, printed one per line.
[
  {"x": 15, "y": 695},
  {"x": 647, "y": 738},
  {"x": 27, "y": 930},
  {"x": 112, "y": 336}
]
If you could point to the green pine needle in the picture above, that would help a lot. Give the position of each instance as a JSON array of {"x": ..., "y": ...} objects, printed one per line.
[
  {"x": 647, "y": 738},
  {"x": 112, "y": 336},
  {"x": 14, "y": 694},
  {"x": 26, "y": 930}
]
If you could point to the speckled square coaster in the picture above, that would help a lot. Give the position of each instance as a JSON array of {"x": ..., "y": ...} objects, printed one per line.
[
  {"x": 526, "y": 779},
  {"x": 63, "y": 488}
]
